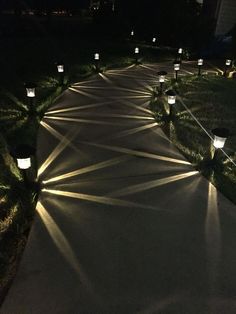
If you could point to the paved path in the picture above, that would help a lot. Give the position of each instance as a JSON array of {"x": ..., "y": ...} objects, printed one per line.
[{"x": 124, "y": 224}]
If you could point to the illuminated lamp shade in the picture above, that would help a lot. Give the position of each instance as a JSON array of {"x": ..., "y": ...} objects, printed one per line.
[
  {"x": 162, "y": 76},
  {"x": 136, "y": 50},
  {"x": 96, "y": 56},
  {"x": 171, "y": 97},
  {"x": 30, "y": 90},
  {"x": 200, "y": 62},
  {"x": 176, "y": 66},
  {"x": 154, "y": 39},
  {"x": 22, "y": 154},
  {"x": 220, "y": 136},
  {"x": 60, "y": 67},
  {"x": 228, "y": 62},
  {"x": 180, "y": 50}
]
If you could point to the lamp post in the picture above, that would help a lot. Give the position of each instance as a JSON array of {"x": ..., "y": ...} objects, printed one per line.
[
  {"x": 176, "y": 69},
  {"x": 132, "y": 34},
  {"x": 200, "y": 64},
  {"x": 220, "y": 136},
  {"x": 227, "y": 65},
  {"x": 30, "y": 93},
  {"x": 60, "y": 70},
  {"x": 171, "y": 99},
  {"x": 136, "y": 52},
  {"x": 23, "y": 154},
  {"x": 161, "y": 78},
  {"x": 96, "y": 60}
]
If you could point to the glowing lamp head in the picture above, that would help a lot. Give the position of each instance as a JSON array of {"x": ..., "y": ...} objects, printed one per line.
[
  {"x": 176, "y": 66},
  {"x": 30, "y": 90},
  {"x": 228, "y": 62},
  {"x": 162, "y": 76},
  {"x": 23, "y": 154},
  {"x": 60, "y": 67},
  {"x": 171, "y": 97},
  {"x": 136, "y": 50},
  {"x": 200, "y": 62},
  {"x": 132, "y": 33},
  {"x": 180, "y": 50},
  {"x": 96, "y": 56},
  {"x": 220, "y": 136},
  {"x": 154, "y": 39}
]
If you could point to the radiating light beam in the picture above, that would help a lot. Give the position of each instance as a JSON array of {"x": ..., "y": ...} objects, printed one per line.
[
  {"x": 62, "y": 244},
  {"x": 213, "y": 240},
  {"x": 87, "y": 121},
  {"x": 84, "y": 93},
  {"x": 97, "y": 105},
  {"x": 98, "y": 166},
  {"x": 58, "y": 149},
  {"x": 131, "y": 105},
  {"x": 141, "y": 187},
  {"x": 105, "y": 78},
  {"x": 123, "y": 116},
  {"x": 99, "y": 199},
  {"x": 137, "y": 153},
  {"x": 132, "y": 131}
]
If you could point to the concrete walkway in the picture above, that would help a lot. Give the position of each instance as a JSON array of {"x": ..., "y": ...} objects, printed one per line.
[{"x": 124, "y": 224}]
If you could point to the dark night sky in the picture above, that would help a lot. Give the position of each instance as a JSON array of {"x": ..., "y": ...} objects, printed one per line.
[{"x": 44, "y": 3}]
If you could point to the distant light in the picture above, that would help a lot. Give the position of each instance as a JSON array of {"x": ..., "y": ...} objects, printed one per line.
[
  {"x": 176, "y": 66},
  {"x": 96, "y": 56},
  {"x": 30, "y": 90},
  {"x": 228, "y": 62},
  {"x": 180, "y": 51},
  {"x": 154, "y": 39},
  {"x": 220, "y": 136},
  {"x": 60, "y": 67},
  {"x": 200, "y": 62},
  {"x": 136, "y": 50},
  {"x": 132, "y": 33}
]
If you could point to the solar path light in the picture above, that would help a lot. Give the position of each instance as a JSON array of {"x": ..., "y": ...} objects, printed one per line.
[
  {"x": 96, "y": 60},
  {"x": 136, "y": 52},
  {"x": 220, "y": 137},
  {"x": 176, "y": 69},
  {"x": 161, "y": 78},
  {"x": 60, "y": 70},
  {"x": 228, "y": 63},
  {"x": 200, "y": 64},
  {"x": 171, "y": 99},
  {"x": 30, "y": 93}
]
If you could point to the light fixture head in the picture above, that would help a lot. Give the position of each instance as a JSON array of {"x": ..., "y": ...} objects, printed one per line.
[
  {"x": 200, "y": 62},
  {"x": 180, "y": 50},
  {"x": 220, "y": 136},
  {"x": 162, "y": 75},
  {"x": 23, "y": 154},
  {"x": 228, "y": 62},
  {"x": 96, "y": 56},
  {"x": 30, "y": 89},
  {"x": 176, "y": 66},
  {"x": 60, "y": 67},
  {"x": 136, "y": 50},
  {"x": 132, "y": 33},
  {"x": 171, "y": 96},
  {"x": 154, "y": 39}
]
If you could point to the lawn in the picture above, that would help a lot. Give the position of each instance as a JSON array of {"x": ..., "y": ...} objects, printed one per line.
[{"x": 211, "y": 100}]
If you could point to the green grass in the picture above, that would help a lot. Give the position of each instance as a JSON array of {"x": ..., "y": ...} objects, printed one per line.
[{"x": 211, "y": 99}]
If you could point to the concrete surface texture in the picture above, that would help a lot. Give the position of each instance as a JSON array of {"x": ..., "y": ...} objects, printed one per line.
[{"x": 124, "y": 224}]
